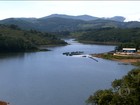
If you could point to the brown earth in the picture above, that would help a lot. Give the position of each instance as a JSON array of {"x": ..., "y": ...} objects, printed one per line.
[
  {"x": 134, "y": 60},
  {"x": 3, "y": 103},
  {"x": 127, "y": 60}
]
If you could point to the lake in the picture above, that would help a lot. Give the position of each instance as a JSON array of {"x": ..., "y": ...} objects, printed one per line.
[{"x": 51, "y": 78}]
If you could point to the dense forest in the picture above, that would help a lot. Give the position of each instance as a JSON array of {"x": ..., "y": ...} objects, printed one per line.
[
  {"x": 13, "y": 39},
  {"x": 109, "y": 35},
  {"x": 128, "y": 37},
  {"x": 125, "y": 91}
]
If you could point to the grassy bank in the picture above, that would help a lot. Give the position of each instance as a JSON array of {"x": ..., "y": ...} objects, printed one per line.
[
  {"x": 124, "y": 59},
  {"x": 136, "y": 63}
]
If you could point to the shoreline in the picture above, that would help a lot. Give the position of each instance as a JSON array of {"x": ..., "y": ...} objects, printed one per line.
[
  {"x": 98, "y": 43},
  {"x": 133, "y": 61},
  {"x": 127, "y": 60}
]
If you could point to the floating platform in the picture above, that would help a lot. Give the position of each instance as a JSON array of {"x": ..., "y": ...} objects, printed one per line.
[{"x": 73, "y": 53}]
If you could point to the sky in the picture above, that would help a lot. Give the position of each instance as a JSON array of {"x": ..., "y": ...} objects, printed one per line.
[{"x": 37, "y": 9}]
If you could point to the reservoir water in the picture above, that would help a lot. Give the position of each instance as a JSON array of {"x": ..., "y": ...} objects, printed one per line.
[{"x": 51, "y": 78}]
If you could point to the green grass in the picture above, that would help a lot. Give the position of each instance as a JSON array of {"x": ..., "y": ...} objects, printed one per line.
[
  {"x": 136, "y": 63},
  {"x": 110, "y": 56}
]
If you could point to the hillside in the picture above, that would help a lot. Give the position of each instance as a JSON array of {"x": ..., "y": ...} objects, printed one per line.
[
  {"x": 109, "y": 35},
  {"x": 80, "y": 17},
  {"x": 13, "y": 39},
  {"x": 58, "y": 23}
]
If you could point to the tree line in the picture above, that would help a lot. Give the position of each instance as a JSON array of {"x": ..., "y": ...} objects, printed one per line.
[
  {"x": 127, "y": 36},
  {"x": 125, "y": 91},
  {"x": 13, "y": 39}
]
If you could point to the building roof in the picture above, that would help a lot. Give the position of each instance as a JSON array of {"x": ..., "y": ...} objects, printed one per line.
[{"x": 129, "y": 48}]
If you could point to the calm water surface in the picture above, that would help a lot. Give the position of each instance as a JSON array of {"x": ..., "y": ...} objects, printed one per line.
[{"x": 50, "y": 78}]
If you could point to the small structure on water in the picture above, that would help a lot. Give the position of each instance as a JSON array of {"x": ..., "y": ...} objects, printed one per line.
[{"x": 73, "y": 53}]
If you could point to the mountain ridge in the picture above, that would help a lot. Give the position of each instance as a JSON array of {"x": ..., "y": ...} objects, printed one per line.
[
  {"x": 79, "y": 17},
  {"x": 85, "y": 17},
  {"x": 61, "y": 22}
]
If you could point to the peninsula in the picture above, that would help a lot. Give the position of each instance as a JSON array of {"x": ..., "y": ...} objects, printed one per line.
[{"x": 124, "y": 57}]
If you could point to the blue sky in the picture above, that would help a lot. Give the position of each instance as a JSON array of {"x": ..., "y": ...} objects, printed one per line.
[{"x": 128, "y": 9}]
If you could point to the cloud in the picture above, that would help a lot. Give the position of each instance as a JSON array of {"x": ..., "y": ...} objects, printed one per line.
[
  {"x": 133, "y": 17},
  {"x": 128, "y": 9}
]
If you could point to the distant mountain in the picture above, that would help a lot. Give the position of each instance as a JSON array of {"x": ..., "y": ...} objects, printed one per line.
[
  {"x": 58, "y": 23},
  {"x": 21, "y": 22},
  {"x": 80, "y": 17},
  {"x": 116, "y": 18},
  {"x": 132, "y": 24},
  {"x": 85, "y": 17},
  {"x": 28, "y": 19}
]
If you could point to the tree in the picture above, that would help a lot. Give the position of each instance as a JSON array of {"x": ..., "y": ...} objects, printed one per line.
[
  {"x": 14, "y": 40},
  {"x": 125, "y": 91},
  {"x": 13, "y": 26}
]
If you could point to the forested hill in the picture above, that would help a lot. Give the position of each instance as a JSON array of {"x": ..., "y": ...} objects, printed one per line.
[
  {"x": 13, "y": 39},
  {"x": 59, "y": 23},
  {"x": 112, "y": 35}
]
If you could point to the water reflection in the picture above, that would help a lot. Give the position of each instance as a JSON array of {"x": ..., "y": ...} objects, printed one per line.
[{"x": 11, "y": 55}]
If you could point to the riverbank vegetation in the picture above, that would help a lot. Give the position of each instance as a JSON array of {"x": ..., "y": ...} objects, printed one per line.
[
  {"x": 134, "y": 60},
  {"x": 125, "y": 91},
  {"x": 111, "y": 56},
  {"x": 108, "y": 35},
  {"x": 121, "y": 37},
  {"x": 136, "y": 63},
  {"x": 13, "y": 39}
]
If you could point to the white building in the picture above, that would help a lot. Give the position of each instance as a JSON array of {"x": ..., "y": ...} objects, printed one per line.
[{"x": 128, "y": 51}]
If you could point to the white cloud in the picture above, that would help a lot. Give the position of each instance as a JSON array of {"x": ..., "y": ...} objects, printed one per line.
[
  {"x": 134, "y": 17},
  {"x": 129, "y": 9}
]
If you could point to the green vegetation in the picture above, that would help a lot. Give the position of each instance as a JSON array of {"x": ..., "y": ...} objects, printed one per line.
[
  {"x": 136, "y": 63},
  {"x": 111, "y": 57},
  {"x": 58, "y": 23},
  {"x": 125, "y": 91},
  {"x": 13, "y": 39},
  {"x": 134, "y": 44},
  {"x": 112, "y": 35}
]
